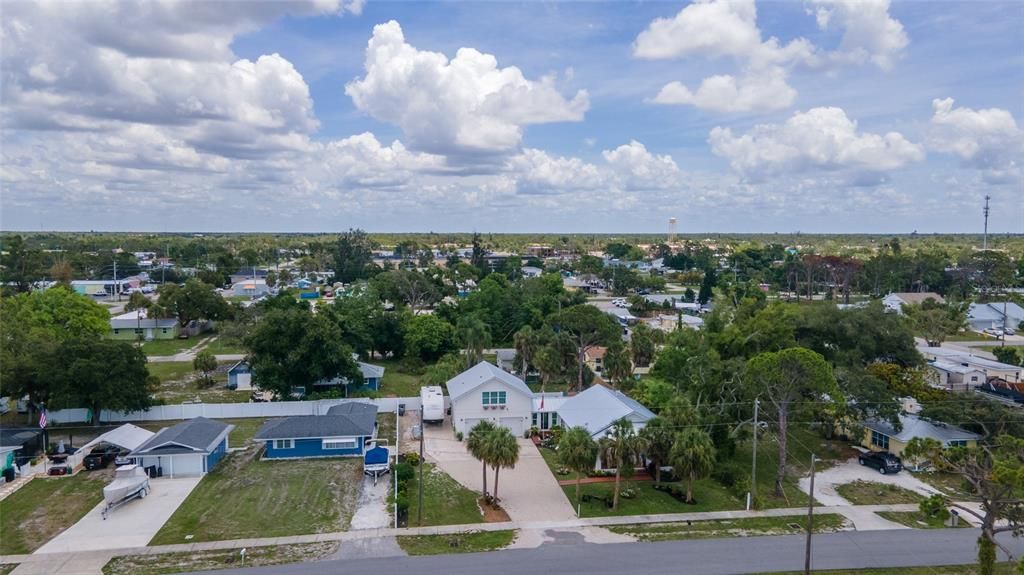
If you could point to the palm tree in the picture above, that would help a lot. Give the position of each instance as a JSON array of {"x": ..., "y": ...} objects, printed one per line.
[
  {"x": 659, "y": 437},
  {"x": 621, "y": 448},
  {"x": 526, "y": 344},
  {"x": 617, "y": 366},
  {"x": 475, "y": 336},
  {"x": 577, "y": 451},
  {"x": 692, "y": 456},
  {"x": 549, "y": 362},
  {"x": 478, "y": 444},
  {"x": 504, "y": 452}
]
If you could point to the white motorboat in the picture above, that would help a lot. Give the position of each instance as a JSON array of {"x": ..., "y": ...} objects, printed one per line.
[{"x": 130, "y": 481}]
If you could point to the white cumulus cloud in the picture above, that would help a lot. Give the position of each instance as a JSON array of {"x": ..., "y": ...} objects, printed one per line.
[
  {"x": 987, "y": 139},
  {"x": 821, "y": 139},
  {"x": 870, "y": 33},
  {"x": 464, "y": 106}
]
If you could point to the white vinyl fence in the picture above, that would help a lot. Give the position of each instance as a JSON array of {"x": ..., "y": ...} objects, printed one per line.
[{"x": 229, "y": 410}]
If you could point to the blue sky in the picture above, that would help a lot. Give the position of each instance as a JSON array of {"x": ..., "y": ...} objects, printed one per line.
[{"x": 839, "y": 126}]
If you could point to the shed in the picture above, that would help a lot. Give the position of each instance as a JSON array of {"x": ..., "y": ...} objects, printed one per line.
[
  {"x": 190, "y": 448},
  {"x": 240, "y": 376}
]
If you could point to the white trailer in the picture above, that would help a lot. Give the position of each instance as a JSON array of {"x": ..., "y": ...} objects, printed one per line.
[{"x": 432, "y": 402}]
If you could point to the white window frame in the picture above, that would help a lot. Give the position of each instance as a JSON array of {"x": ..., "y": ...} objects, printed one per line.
[
  {"x": 284, "y": 444},
  {"x": 339, "y": 443}
]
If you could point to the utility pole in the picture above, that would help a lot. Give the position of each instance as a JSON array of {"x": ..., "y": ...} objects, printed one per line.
[
  {"x": 810, "y": 520},
  {"x": 116, "y": 290},
  {"x": 753, "y": 461},
  {"x": 984, "y": 241},
  {"x": 419, "y": 508}
]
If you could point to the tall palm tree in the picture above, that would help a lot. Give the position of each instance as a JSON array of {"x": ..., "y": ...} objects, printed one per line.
[
  {"x": 618, "y": 368},
  {"x": 478, "y": 444},
  {"x": 504, "y": 452},
  {"x": 621, "y": 448},
  {"x": 475, "y": 337},
  {"x": 692, "y": 456},
  {"x": 659, "y": 437},
  {"x": 526, "y": 344},
  {"x": 549, "y": 362},
  {"x": 577, "y": 451}
]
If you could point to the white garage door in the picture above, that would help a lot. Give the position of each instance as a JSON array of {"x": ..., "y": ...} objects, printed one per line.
[
  {"x": 185, "y": 465},
  {"x": 515, "y": 424}
]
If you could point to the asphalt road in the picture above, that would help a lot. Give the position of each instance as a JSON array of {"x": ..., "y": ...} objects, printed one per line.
[{"x": 847, "y": 550}]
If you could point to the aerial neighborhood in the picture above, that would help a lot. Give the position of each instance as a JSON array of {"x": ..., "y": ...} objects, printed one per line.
[{"x": 507, "y": 381}]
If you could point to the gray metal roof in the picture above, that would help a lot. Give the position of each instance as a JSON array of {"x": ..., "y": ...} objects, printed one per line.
[
  {"x": 351, "y": 419},
  {"x": 598, "y": 407},
  {"x": 914, "y": 426},
  {"x": 369, "y": 370},
  {"x": 505, "y": 354},
  {"x": 993, "y": 311},
  {"x": 480, "y": 374},
  {"x": 198, "y": 435},
  {"x": 18, "y": 436}
]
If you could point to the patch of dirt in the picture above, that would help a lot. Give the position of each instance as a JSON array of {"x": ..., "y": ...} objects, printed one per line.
[
  {"x": 218, "y": 559},
  {"x": 492, "y": 512}
]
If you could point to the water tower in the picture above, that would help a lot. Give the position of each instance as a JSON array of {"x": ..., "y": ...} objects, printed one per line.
[{"x": 671, "y": 230}]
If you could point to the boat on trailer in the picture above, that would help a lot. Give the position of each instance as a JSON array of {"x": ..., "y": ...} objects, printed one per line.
[{"x": 130, "y": 482}]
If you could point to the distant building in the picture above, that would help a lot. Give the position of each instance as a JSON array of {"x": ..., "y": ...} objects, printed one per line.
[
  {"x": 135, "y": 325},
  {"x": 100, "y": 287},
  {"x": 248, "y": 273},
  {"x": 531, "y": 271},
  {"x": 990, "y": 367},
  {"x": 882, "y": 436},
  {"x": 982, "y": 316},
  {"x": 954, "y": 376},
  {"x": 250, "y": 288},
  {"x": 506, "y": 359},
  {"x": 895, "y": 301}
]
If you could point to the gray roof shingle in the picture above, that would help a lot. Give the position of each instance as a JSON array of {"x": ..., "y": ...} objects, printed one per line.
[
  {"x": 481, "y": 373},
  {"x": 193, "y": 436},
  {"x": 350, "y": 419}
]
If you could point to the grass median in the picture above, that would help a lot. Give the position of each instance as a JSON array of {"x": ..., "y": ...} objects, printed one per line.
[
  {"x": 472, "y": 542},
  {"x": 166, "y": 563},
  {"x": 46, "y": 506},
  {"x": 746, "y": 527}
]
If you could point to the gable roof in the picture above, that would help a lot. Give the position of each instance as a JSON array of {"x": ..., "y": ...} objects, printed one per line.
[
  {"x": 505, "y": 354},
  {"x": 598, "y": 407},
  {"x": 595, "y": 353},
  {"x": 480, "y": 374},
  {"x": 914, "y": 426},
  {"x": 198, "y": 435},
  {"x": 369, "y": 370},
  {"x": 993, "y": 311},
  {"x": 351, "y": 419}
]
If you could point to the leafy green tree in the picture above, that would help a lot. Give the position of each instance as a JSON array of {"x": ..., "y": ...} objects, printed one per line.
[
  {"x": 621, "y": 448},
  {"x": 20, "y": 266},
  {"x": 137, "y": 300},
  {"x": 934, "y": 321},
  {"x": 792, "y": 380},
  {"x": 478, "y": 256},
  {"x": 995, "y": 472},
  {"x": 407, "y": 287},
  {"x": 314, "y": 352},
  {"x": 654, "y": 392},
  {"x": 504, "y": 452},
  {"x": 707, "y": 286},
  {"x": 617, "y": 366},
  {"x": 659, "y": 435},
  {"x": 680, "y": 412},
  {"x": 1008, "y": 355},
  {"x": 549, "y": 363},
  {"x": 429, "y": 338},
  {"x": 102, "y": 374},
  {"x": 919, "y": 449},
  {"x": 642, "y": 345},
  {"x": 352, "y": 256},
  {"x": 205, "y": 363},
  {"x": 475, "y": 337},
  {"x": 58, "y": 311},
  {"x": 195, "y": 301},
  {"x": 577, "y": 451},
  {"x": 479, "y": 445},
  {"x": 589, "y": 327},
  {"x": 446, "y": 368},
  {"x": 692, "y": 457}
]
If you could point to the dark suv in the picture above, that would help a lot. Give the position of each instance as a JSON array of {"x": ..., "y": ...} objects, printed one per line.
[
  {"x": 100, "y": 457},
  {"x": 882, "y": 461}
]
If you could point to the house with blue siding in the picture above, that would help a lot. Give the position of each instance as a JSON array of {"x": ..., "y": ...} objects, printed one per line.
[
  {"x": 240, "y": 376},
  {"x": 190, "y": 448},
  {"x": 344, "y": 431},
  {"x": 372, "y": 377}
]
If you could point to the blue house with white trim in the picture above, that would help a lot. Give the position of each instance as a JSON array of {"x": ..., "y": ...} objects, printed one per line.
[
  {"x": 372, "y": 377},
  {"x": 190, "y": 448},
  {"x": 344, "y": 431},
  {"x": 240, "y": 376}
]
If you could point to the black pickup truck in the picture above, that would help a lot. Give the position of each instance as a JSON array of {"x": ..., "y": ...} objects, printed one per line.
[{"x": 100, "y": 457}]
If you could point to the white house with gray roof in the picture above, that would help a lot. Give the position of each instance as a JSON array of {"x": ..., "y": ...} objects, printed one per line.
[
  {"x": 598, "y": 407},
  {"x": 982, "y": 316},
  {"x": 485, "y": 391}
]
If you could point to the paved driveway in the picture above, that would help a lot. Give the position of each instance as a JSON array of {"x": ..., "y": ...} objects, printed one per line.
[
  {"x": 131, "y": 525},
  {"x": 528, "y": 492}
]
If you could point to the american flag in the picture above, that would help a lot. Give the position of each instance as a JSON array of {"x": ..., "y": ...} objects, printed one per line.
[{"x": 42, "y": 419}]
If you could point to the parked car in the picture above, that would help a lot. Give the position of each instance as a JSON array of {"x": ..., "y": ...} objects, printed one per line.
[
  {"x": 883, "y": 461},
  {"x": 100, "y": 457}
]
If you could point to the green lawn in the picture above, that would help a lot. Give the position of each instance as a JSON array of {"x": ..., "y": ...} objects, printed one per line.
[
  {"x": 871, "y": 493},
  {"x": 386, "y": 426},
  {"x": 472, "y": 542},
  {"x": 752, "y": 526},
  {"x": 7, "y": 568},
  {"x": 397, "y": 383},
  {"x": 166, "y": 563},
  {"x": 445, "y": 501},
  {"x": 222, "y": 346},
  {"x": 170, "y": 346},
  {"x": 179, "y": 383},
  {"x": 1001, "y": 569},
  {"x": 708, "y": 496},
  {"x": 246, "y": 497},
  {"x": 44, "y": 507},
  {"x": 918, "y": 520},
  {"x": 951, "y": 484}
]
